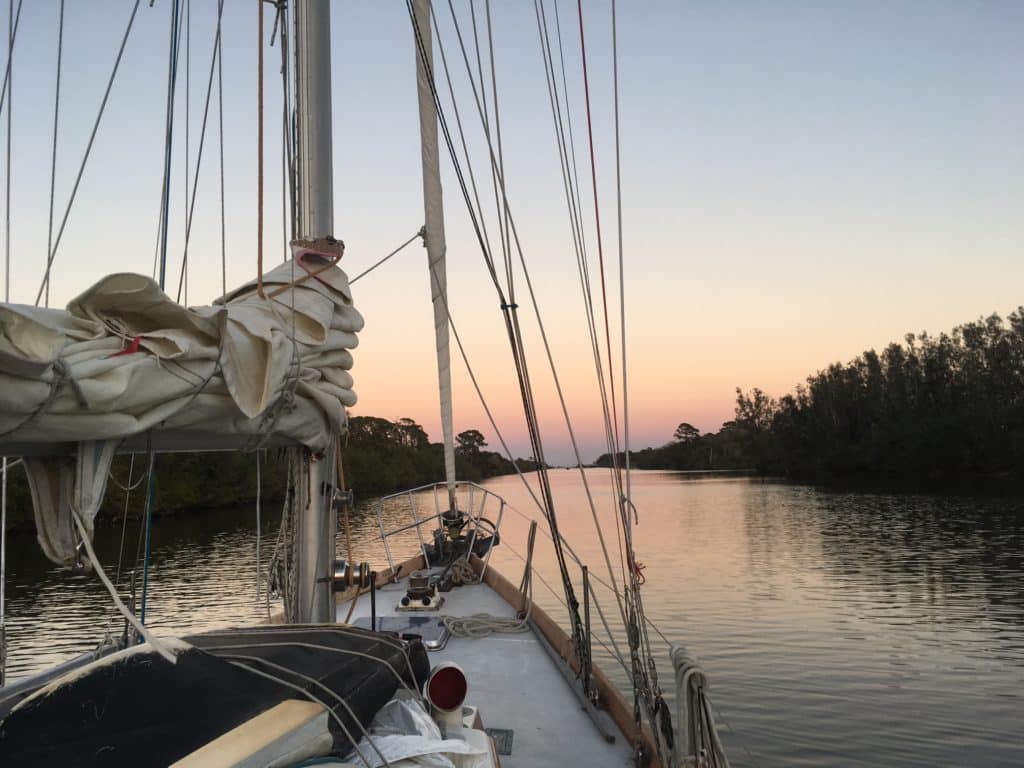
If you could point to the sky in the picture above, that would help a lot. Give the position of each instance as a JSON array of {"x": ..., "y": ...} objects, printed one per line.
[{"x": 800, "y": 181}]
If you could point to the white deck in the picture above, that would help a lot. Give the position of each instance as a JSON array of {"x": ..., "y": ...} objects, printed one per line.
[{"x": 515, "y": 684}]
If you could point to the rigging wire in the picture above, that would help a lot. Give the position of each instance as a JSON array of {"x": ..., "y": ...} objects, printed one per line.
[
  {"x": 127, "y": 489},
  {"x": 644, "y": 667},
  {"x": 555, "y": 99},
  {"x": 462, "y": 138},
  {"x": 442, "y": 121},
  {"x": 499, "y": 171},
  {"x": 287, "y": 181},
  {"x": 88, "y": 150},
  {"x": 145, "y": 531},
  {"x": 12, "y": 35},
  {"x": 53, "y": 152},
  {"x": 259, "y": 529},
  {"x": 148, "y": 528},
  {"x": 8, "y": 88},
  {"x": 512, "y": 227},
  {"x": 485, "y": 117},
  {"x": 597, "y": 227},
  {"x": 622, "y": 272},
  {"x": 512, "y": 323},
  {"x": 522, "y": 371},
  {"x": 188, "y": 127},
  {"x": 395, "y": 252},
  {"x": 484, "y": 110},
  {"x": 626, "y": 498},
  {"x": 576, "y": 205},
  {"x": 288, "y": 126},
  {"x": 259, "y": 156},
  {"x": 172, "y": 79},
  {"x": 641, "y": 679},
  {"x": 220, "y": 141},
  {"x": 190, "y": 206}
]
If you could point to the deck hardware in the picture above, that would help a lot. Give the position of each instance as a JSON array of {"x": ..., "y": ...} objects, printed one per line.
[
  {"x": 446, "y": 689},
  {"x": 342, "y": 498},
  {"x": 345, "y": 575},
  {"x": 422, "y": 593},
  {"x": 502, "y": 738}
]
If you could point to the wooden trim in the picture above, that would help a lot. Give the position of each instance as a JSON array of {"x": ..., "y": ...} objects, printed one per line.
[{"x": 609, "y": 698}]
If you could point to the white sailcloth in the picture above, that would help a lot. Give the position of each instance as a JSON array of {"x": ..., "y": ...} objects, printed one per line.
[{"x": 123, "y": 358}]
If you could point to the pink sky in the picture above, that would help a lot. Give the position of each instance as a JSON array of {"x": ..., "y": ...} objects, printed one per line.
[{"x": 800, "y": 183}]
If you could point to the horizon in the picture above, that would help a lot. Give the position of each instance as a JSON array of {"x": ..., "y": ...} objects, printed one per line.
[{"x": 800, "y": 183}]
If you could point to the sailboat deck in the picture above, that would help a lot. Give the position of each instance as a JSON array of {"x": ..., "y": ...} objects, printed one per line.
[{"x": 514, "y": 683}]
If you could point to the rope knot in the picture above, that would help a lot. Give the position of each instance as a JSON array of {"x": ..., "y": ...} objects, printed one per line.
[{"x": 506, "y": 307}]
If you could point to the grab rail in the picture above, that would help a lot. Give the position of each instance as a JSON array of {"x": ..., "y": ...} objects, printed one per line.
[{"x": 474, "y": 500}]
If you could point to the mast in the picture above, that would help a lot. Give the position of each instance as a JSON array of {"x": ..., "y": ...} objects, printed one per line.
[
  {"x": 434, "y": 230},
  {"x": 317, "y": 522}
]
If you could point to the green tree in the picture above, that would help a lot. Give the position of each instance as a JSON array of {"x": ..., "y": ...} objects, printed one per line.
[
  {"x": 685, "y": 433},
  {"x": 469, "y": 443}
]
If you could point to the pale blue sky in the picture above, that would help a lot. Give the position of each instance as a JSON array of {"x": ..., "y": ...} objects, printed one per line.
[{"x": 802, "y": 180}]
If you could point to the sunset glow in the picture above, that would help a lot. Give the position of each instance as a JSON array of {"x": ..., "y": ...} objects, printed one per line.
[{"x": 791, "y": 196}]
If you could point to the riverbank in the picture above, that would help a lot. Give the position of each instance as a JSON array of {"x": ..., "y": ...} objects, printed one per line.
[
  {"x": 184, "y": 484},
  {"x": 378, "y": 457}
]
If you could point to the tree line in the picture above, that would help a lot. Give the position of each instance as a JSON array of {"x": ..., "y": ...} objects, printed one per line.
[
  {"x": 378, "y": 457},
  {"x": 382, "y": 456},
  {"x": 930, "y": 411}
]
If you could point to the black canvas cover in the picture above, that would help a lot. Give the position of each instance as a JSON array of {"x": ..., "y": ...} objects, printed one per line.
[{"x": 138, "y": 709}]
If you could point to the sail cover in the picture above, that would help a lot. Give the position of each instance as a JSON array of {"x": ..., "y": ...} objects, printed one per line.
[{"x": 123, "y": 358}]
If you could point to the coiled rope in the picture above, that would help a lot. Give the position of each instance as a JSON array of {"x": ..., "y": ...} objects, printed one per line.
[{"x": 480, "y": 625}]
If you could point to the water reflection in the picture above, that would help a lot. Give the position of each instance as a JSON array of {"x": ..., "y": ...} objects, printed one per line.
[{"x": 837, "y": 629}]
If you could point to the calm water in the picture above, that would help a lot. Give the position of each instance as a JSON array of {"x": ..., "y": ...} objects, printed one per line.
[{"x": 837, "y": 629}]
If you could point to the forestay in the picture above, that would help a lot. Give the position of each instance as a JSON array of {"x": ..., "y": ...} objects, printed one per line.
[{"x": 270, "y": 359}]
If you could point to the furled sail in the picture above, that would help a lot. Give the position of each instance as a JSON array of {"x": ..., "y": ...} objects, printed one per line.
[{"x": 123, "y": 359}]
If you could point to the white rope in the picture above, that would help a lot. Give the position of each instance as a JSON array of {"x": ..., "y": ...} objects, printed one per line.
[
  {"x": 130, "y": 617},
  {"x": 480, "y": 625}
]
